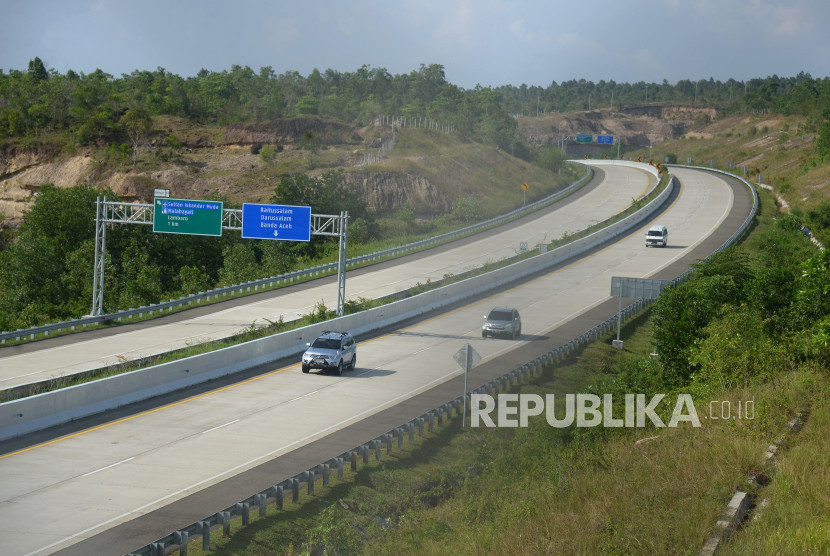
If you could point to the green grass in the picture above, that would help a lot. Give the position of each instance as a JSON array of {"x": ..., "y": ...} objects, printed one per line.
[
  {"x": 775, "y": 145},
  {"x": 796, "y": 519},
  {"x": 462, "y": 168}
]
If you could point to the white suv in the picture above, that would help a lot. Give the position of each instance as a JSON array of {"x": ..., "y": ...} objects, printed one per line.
[{"x": 331, "y": 351}]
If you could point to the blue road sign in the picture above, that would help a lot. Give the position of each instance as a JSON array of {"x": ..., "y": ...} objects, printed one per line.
[
  {"x": 605, "y": 139},
  {"x": 285, "y": 222}
]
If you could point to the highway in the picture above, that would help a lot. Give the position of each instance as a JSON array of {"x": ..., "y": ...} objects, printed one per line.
[
  {"x": 28, "y": 364},
  {"x": 123, "y": 483}
]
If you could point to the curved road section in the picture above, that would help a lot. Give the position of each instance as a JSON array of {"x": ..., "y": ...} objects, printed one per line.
[
  {"x": 615, "y": 192},
  {"x": 122, "y": 484}
]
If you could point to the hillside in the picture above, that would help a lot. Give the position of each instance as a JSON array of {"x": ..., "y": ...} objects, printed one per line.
[
  {"x": 425, "y": 169},
  {"x": 775, "y": 146}
]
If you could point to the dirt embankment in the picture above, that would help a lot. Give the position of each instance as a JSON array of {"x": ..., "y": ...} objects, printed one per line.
[
  {"x": 208, "y": 162},
  {"x": 225, "y": 161},
  {"x": 636, "y": 126}
]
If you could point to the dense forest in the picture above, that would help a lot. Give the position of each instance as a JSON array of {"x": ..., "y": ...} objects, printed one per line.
[
  {"x": 45, "y": 266},
  {"x": 98, "y": 108}
]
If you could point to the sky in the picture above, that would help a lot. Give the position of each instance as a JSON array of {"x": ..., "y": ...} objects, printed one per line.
[{"x": 478, "y": 42}]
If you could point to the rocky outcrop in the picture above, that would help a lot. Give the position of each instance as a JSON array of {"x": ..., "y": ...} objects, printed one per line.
[
  {"x": 386, "y": 192},
  {"x": 688, "y": 113},
  {"x": 22, "y": 175},
  {"x": 290, "y": 131}
]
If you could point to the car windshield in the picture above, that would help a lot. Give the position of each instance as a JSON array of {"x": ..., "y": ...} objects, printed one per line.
[
  {"x": 326, "y": 343},
  {"x": 655, "y": 233},
  {"x": 500, "y": 315}
]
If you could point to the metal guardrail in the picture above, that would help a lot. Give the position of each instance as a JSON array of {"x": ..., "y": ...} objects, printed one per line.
[
  {"x": 283, "y": 279},
  {"x": 277, "y": 493}
]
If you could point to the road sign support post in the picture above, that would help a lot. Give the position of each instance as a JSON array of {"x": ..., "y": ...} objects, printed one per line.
[
  {"x": 467, "y": 365},
  {"x": 467, "y": 358},
  {"x": 341, "y": 264},
  {"x": 617, "y": 343},
  {"x": 100, "y": 254}
]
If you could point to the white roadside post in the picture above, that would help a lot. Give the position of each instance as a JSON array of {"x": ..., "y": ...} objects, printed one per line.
[{"x": 467, "y": 358}]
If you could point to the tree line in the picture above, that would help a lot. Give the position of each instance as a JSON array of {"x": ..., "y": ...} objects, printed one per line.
[
  {"x": 800, "y": 95},
  {"x": 98, "y": 108}
]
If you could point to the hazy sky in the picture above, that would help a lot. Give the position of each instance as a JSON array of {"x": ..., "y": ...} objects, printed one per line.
[{"x": 484, "y": 42}]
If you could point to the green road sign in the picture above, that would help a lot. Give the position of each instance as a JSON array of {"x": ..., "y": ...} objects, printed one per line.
[
  {"x": 584, "y": 138},
  {"x": 187, "y": 216}
]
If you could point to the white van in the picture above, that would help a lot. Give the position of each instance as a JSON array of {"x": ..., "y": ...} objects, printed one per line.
[{"x": 657, "y": 236}]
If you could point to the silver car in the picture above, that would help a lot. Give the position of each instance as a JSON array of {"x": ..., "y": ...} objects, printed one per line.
[
  {"x": 331, "y": 351},
  {"x": 502, "y": 321}
]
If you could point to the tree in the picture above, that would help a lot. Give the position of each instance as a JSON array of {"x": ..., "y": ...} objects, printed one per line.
[
  {"x": 823, "y": 137},
  {"x": 328, "y": 194},
  {"x": 39, "y": 277},
  {"x": 680, "y": 316},
  {"x": 192, "y": 280},
  {"x": 550, "y": 158},
  {"x": 63, "y": 217},
  {"x": 136, "y": 124},
  {"x": 37, "y": 70},
  {"x": 240, "y": 264},
  {"x": 468, "y": 210}
]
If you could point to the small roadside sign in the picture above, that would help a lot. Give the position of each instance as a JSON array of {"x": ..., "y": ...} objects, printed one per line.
[
  {"x": 461, "y": 357},
  {"x": 525, "y": 186},
  {"x": 161, "y": 193}
]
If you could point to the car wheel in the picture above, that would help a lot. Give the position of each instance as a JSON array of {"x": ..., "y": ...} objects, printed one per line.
[
  {"x": 305, "y": 368},
  {"x": 518, "y": 332},
  {"x": 340, "y": 368},
  {"x": 483, "y": 334},
  {"x": 353, "y": 366}
]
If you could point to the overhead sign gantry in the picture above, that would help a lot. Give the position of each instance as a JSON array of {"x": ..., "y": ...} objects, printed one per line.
[{"x": 188, "y": 216}]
